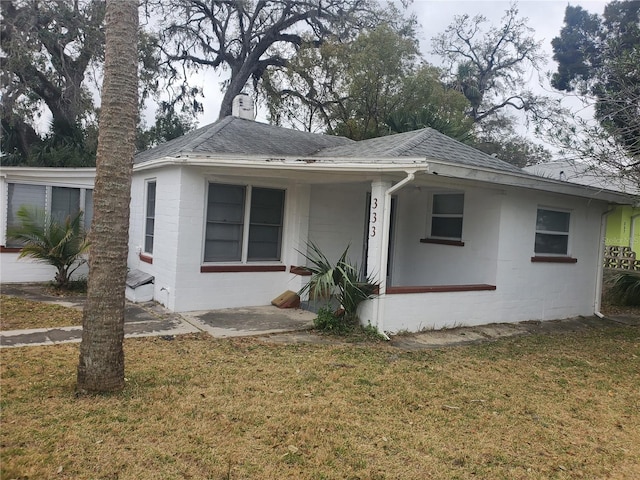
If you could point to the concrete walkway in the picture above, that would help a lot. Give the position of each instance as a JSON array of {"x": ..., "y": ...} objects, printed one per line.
[
  {"x": 274, "y": 325},
  {"x": 141, "y": 320},
  {"x": 467, "y": 335},
  {"x": 152, "y": 319}
]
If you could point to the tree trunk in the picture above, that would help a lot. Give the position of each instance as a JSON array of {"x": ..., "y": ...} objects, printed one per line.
[{"x": 101, "y": 364}]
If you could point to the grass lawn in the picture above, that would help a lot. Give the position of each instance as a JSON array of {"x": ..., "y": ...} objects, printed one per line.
[
  {"x": 17, "y": 314},
  {"x": 563, "y": 406}
]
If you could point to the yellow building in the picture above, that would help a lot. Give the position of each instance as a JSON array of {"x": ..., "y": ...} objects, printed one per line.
[{"x": 623, "y": 228}]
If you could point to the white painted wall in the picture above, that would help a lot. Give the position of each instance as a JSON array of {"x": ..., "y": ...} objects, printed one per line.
[
  {"x": 525, "y": 290},
  {"x": 169, "y": 184},
  {"x": 179, "y": 242},
  {"x": 337, "y": 219},
  {"x": 416, "y": 263},
  {"x": 498, "y": 231}
]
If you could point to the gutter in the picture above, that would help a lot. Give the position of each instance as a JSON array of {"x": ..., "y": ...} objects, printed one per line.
[
  {"x": 632, "y": 229},
  {"x": 384, "y": 251},
  {"x": 598, "y": 293}
]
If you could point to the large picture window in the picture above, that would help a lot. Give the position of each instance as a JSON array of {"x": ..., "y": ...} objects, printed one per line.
[
  {"x": 230, "y": 222},
  {"x": 57, "y": 203},
  {"x": 446, "y": 215},
  {"x": 552, "y": 232}
]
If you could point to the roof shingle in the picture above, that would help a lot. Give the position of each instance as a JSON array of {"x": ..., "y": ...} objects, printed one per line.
[
  {"x": 233, "y": 135},
  {"x": 236, "y": 136}
]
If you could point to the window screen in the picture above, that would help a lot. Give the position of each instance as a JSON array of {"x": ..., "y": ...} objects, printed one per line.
[
  {"x": 225, "y": 220},
  {"x": 552, "y": 232},
  {"x": 33, "y": 196},
  {"x": 446, "y": 216},
  {"x": 150, "y": 217},
  {"x": 88, "y": 209},
  {"x": 65, "y": 202},
  {"x": 265, "y": 229}
]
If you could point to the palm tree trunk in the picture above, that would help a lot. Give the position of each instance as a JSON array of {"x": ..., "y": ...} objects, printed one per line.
[{"x": 101, "y": 364}]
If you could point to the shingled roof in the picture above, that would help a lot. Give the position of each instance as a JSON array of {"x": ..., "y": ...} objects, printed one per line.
[
  {"x": 425, "y": 143},
  {"x": 236, "y": 136},
  {"x": 233, "y": 135}
]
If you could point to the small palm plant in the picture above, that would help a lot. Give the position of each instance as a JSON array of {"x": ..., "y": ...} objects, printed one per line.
[
  {"x": 60, "y": 244},
  {"x": 341, "y": 281}
]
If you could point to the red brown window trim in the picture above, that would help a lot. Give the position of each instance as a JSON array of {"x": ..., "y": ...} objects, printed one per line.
[
  {"x": 441, "y": 288},
  {"x": 302, "y": 271},
  {"x": 145, "y": 258},
  {"x": 242, "y": 268},
  {"x": 441, "y": 241},
  {"x": 4, "y": 249},
  {"x": 543, "y": 259}
]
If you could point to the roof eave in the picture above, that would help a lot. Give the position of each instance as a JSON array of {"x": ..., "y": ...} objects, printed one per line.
[
  {"x": 435, "y": 166},
  {"x": 287, "y": 163},
  {"x": 529, "y": 181}
]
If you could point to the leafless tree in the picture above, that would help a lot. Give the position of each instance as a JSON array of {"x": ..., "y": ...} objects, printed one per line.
[
  {"x": 248, "y": 37},
  {"x": 489, "y": 64}
]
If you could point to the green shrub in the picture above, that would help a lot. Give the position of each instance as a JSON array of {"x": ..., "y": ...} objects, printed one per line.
[
  {"x": 328, "y": 321},
  {"x": 626, "y": 289}
]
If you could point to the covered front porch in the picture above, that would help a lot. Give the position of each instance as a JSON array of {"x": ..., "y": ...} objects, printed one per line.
[{"x": 424, "y": 239}]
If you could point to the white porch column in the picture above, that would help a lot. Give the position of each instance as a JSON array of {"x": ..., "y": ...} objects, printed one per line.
[
  {"x": 376, "y": 236},
  {"x": 372, "y": 309}
]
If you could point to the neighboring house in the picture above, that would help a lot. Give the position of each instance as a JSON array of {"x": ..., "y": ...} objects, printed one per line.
[
  {"x": 58, "y": 192},
  {"x": 623, "y": 222},
  {"x": 221, "y": 218}
]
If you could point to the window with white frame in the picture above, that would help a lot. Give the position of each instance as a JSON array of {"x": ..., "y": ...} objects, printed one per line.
[
  {"x": 56, "y": 203},
  {"x": 150, "y": 217},
  {"x": 244, "y": 223},
  {"x": 552, "y": 232},
  {"x": 446, "y": 215}
]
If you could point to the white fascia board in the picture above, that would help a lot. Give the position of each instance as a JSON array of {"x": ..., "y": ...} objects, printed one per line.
[
  {"x": 308, "y": 164},
  {"x": 58, "y": 175},
  {"x": 529, "y": 181}
]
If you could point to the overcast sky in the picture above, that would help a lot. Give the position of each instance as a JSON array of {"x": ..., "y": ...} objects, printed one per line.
[{"x": 545, "y": 16}]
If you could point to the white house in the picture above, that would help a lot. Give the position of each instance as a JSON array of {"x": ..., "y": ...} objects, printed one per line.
[
  {"x": 57, "y": 191},
  {"x": 221, "y": 215}
]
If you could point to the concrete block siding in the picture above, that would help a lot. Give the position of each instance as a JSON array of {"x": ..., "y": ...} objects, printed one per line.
[{"x": 498, "y": 236}]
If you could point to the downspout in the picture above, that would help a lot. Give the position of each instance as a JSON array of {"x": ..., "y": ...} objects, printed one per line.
[
  {"x": 384, "y": 251},
  {"x": 598, "y": 292},
  {"x": 632, "y": 230}
]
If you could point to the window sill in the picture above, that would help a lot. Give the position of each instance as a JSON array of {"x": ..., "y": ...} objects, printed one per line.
[
  {"x": 441, "y": 288},
  {"x": 242, "y": 268},
  {"x": 442, "y": 241},
  {"x": 302, "y": 271},
  {"x": 546, "y": 259},
  {"x": 145, "y": 258},
  {"x": 4, "y": 249}
]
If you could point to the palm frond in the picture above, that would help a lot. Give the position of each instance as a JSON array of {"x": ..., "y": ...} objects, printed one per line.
[
  {"x": 60, "y": 244},
  {"x": 342, "y": 280}
]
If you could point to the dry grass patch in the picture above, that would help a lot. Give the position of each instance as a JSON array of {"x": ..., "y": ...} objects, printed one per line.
[
  {"x": 18, "y": 313},
  {"x": 563, "y": 407}
]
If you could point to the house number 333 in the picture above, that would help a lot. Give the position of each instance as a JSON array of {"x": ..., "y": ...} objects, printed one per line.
[{"x": 374, "y": 216}]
